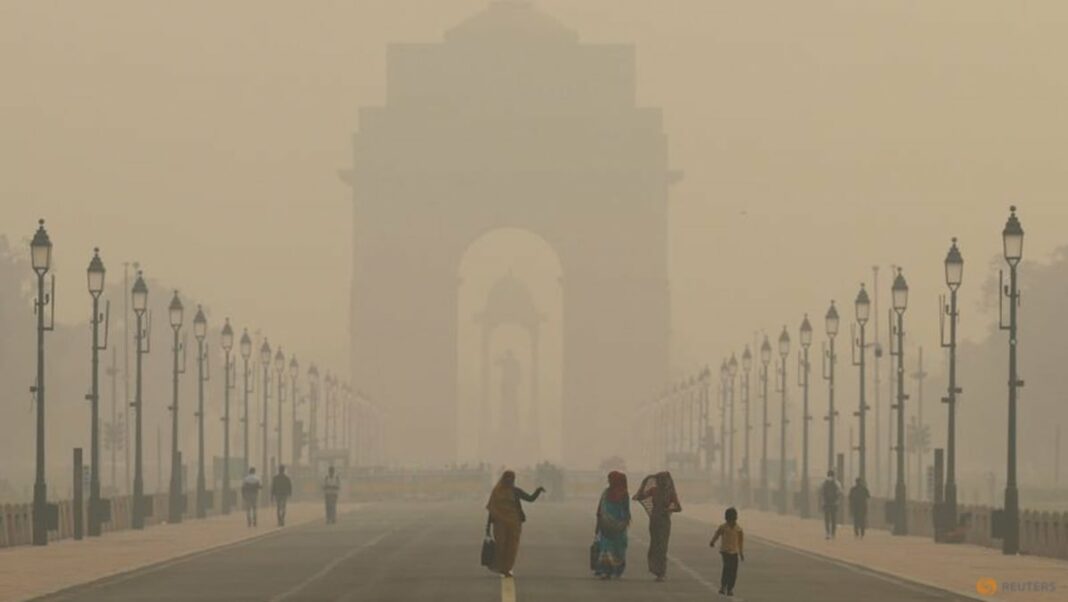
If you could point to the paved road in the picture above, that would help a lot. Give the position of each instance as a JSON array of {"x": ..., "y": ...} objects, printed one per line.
[{"x": 407, "y": 552}]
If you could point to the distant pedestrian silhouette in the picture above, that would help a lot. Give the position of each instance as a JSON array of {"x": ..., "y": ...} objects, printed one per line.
[
  {"x": 858, "y": 507},
  {"x": 613, "y": 519},
  {"x": 830, "y": 495},
  {"x": 250, "y": 492},
  {"x": 281, "y": 489},
  {"x": 331, "y": 489},
  {"x": 657, "y": 495},
  {"x": 732, "y": 550},
  {"x": 506, "y": 518}
]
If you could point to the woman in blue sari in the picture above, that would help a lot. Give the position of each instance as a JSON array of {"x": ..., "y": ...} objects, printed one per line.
[{"x": 613, "y": 519}]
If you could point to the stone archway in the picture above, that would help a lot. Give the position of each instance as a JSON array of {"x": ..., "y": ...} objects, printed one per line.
[{"x": 510, "y": 122}]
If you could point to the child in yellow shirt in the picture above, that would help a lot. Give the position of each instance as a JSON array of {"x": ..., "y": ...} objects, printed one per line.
[{"x": 732, "y": 550}]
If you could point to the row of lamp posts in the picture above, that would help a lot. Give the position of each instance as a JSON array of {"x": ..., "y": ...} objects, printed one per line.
[
  {"x": 45, "y": 514},
  {"x": 1012, "y": 240}
]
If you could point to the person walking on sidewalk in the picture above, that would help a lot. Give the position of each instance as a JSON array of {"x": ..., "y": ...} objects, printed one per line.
[
  {"x": 657, "y": 495},
  {"x": 250, "y": 492},
  {"x": 732, "y": 550},
  {"x": 830, "y": 495},
  {"x": 331, "y": 489},
  {"x": 858, "y": 507},
  {"x": 281, "y": 489}
]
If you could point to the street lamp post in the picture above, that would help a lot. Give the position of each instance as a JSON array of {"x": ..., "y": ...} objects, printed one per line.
[
  {"x": 200, "y": 331},
  {"x": 280, "y": 372},
  {"x": 247, "y": 388},
  {"x": 95, "y": 275},
  {"x": 41, "y": 261},
  {"x": 831, "y": 323},
  {"x": 954, "y": 264},
  {"x": 747, "y": 366},
  {"x": 723, "y": 375},
  {"x": 227, "y": 341},
  {"x": 313, "y": 415},
  {"x": 139, "y": 301},
  {"x": 294, "y": 431},
  {"x": 732, "y": 372},
  {"x": 784, "y": 352},
  {"x": 862, "y": 306},
  {"x": 900, "y": 297},
  {"x": 265, "y": 361},
  {"x": 765, "y": 359},
  {"x": 803, "y": 371},
  {"x": 176, "y": 313},
  {"x": 1012, "y": 238}
]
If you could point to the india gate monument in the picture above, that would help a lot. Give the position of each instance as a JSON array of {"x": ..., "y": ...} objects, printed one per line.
[{"x": 510, "y": 125}]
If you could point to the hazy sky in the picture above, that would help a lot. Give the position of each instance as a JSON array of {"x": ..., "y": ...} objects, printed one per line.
[{"x": 203, "y": 138}]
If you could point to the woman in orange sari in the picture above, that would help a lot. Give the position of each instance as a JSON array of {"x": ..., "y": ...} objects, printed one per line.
[{"x": 506, "y": 518}]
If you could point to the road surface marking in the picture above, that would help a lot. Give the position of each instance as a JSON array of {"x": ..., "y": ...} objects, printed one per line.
[
  {"x": 508, "y": 589},
  {"x": 329, "y": 567}
]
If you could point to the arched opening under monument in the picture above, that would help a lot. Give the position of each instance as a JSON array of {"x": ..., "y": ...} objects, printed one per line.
[{"x": 509, "y": 349}]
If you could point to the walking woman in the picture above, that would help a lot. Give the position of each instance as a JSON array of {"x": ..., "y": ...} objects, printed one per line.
[
  {"x": 657, "y": 495},
  {"x": 506, "y": 518},
  {"x": 613, "y": 519}
]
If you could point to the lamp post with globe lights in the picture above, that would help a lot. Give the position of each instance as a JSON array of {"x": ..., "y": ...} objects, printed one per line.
[
  {"x": 765, "y": 359},
  {"x": 732, "y": 373},
  {"x": 247, "y": 389},
  {"x": 900, "y": 297},
  {"x": 954, "y": 267},
  {"x": 226, "y": 339},
  {"x": 784, "y": 352},
  {"x": 265, "y": 362},
  {"x": 1012, "y": 239},
  {"x": 95, "y": 278},
  {"x": 803, "y": 371},
  {"x": 41, "y": 262},
  {"x": 831, "y": 324},
  {"x": 280, "y": 372},
  {"x": 747, "y": 366},
  {"x": 139, "y": 301},
  {"x": 200, "y": 332},
  {"x": 862, "y": 308},
  {"x": 294, "y": 432},
  {"x": 176, "y": 499}
]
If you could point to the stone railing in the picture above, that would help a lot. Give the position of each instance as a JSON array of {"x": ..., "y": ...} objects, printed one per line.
[{"x": 16, "y": 520}]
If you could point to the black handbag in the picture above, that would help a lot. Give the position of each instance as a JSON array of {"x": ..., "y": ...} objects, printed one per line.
[
  {"x": 595, "y": 555},
  {"x": 489, "y": 549},
  {"x": 488, "y": 552}
]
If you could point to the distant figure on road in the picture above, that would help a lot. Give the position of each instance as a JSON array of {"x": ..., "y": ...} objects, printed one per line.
[
  {"x": 331, "y": 489},
  {"x": 732, "y": 550},
  {"x": 830, "y": 495},
  {"x": 657, "y": 495},
  {"x": 858, "y": 507},
  {"x": 281, "y": 489},
  {"x": 250, "y": 492},
  {"x": 506, "y": 518},
  {"x": 613, "y": 519}
]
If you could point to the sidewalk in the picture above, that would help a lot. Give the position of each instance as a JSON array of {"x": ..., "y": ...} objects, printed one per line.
[
  {"x": 29, "y": 571},
  {"x": 960, "y": 568}
]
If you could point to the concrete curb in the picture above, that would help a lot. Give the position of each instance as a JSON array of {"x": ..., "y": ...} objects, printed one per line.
[{"x": 879, "y": 572}]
